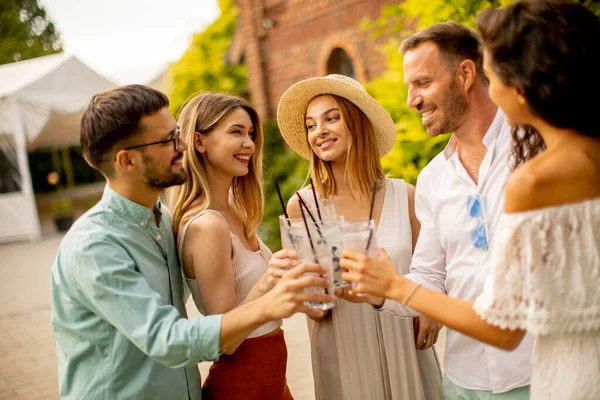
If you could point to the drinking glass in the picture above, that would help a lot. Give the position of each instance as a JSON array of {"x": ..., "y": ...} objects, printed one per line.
[
  {"x": 359, "y": 235},
  {"x": 317, "y": 253},
  {"x": 329, "y": 235}
]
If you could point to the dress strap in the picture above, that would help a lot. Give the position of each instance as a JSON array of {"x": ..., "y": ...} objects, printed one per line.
[
  {"x": 401, "y": 192},
  {"x": 397, "y": 195}
]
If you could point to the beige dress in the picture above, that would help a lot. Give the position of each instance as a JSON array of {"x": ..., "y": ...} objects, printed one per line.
[{"x": 358, "y": 353}]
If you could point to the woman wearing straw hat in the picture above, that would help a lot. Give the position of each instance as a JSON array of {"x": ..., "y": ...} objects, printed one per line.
[
  {"x": 216, "y": 213},
  {"x": 357, "y": 352}
]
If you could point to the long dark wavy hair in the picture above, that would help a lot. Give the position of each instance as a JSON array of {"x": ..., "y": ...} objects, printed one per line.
[
  {"x": 548, "y": 49},
  {"x": 527, "y": 143}
]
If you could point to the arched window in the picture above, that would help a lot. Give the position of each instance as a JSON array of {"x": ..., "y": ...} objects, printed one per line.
[{"x": 340, "y": 63}]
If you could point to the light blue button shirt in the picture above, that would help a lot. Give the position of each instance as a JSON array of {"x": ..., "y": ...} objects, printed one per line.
[{"x": 118, "y": 336}]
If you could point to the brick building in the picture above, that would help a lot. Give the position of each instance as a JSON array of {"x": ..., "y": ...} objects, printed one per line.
[{"x": 284, "y": 41}]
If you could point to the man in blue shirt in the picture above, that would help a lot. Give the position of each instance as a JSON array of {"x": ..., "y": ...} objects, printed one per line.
[{"x": 118, "y": 314}]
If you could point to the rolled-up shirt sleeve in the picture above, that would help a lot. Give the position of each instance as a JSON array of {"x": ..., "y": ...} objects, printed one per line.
[
  {"x": 428, "y": 265},
  {"x": 111, "y": 287}
]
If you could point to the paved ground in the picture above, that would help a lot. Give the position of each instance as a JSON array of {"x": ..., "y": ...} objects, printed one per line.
[{"x": 27, "y": 353}]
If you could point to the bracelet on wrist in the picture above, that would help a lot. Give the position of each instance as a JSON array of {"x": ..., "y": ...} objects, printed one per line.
[{"x": 411, "y": 294}]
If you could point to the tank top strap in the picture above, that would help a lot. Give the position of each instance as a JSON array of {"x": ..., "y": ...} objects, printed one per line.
[
  {"x": 400, "y": 195},
  {"x": 181, "y": 236},
  {"x": 394, "y": 229}
]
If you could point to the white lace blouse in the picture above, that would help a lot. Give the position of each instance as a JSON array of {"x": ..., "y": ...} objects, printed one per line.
[{"x": 546, "y": 280}]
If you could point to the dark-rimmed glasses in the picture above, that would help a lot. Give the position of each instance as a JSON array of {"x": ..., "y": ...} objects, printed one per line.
[{"x": 174, "y": 139}]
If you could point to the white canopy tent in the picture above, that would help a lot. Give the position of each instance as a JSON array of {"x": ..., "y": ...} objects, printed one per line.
[{"x": 41, "y": 103}]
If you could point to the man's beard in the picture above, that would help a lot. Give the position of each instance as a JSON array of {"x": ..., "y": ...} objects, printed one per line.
[
  {"x": 157, "y": 180},
  {"x": 455, "y": 105}
]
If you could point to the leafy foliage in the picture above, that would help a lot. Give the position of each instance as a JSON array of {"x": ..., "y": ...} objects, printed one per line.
[
  {"x": 25, "y": 31},
  {"x": 203, "y": 65},
  {"x": 289, "y": 170},
  {"x": 593, "y": 5}
]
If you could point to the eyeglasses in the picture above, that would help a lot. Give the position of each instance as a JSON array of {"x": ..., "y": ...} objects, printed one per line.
[
  {"x": 479, "y": 236},
  {"x": 174, "y": 139}
]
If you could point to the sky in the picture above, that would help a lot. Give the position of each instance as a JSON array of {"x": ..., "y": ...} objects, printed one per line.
[{"x": 129, "y": 41}]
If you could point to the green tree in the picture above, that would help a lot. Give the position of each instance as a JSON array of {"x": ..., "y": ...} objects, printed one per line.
[
  {"x": 26, "y": 31},
  {"x": 203, "y": 65}
]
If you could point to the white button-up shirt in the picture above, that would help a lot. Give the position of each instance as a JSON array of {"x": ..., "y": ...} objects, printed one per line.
[{"x": 446, "y": 260}]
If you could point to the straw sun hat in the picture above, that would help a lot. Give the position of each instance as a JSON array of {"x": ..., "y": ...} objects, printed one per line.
[{"x": 291, "y": 112}]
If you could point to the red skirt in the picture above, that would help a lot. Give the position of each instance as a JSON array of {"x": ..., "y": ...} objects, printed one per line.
[{"x": 256, "y": 371}]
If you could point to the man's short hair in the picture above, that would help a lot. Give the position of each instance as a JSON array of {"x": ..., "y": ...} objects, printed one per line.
[
  {"x": 112, "y": 118},
  {"x": 455, "y": 41}
]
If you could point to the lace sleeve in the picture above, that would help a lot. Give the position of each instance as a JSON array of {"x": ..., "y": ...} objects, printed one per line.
[{"x": 546, "y": 271}]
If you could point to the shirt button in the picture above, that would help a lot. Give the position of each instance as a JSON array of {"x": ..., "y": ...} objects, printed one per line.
[
  {"x": 142, "y": 223},
  {"x": 158, "y": 237}
]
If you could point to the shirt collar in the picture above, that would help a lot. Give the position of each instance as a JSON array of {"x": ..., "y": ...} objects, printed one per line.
[
  {"x": 127, "y": 208},
  {"x": 488, "y": 140}
]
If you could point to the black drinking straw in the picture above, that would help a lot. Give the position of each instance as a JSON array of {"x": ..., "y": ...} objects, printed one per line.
[
  {"x": 312, "y": 246},
  {"x": 316, "y": 201},
  {"x": 282, "y": 203},
  {"x": 371, "y": 215},
  {"x": 303, "y": 203},
  {"x": 287, "y": 218}
]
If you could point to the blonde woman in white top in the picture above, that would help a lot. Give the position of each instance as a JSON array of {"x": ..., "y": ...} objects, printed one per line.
[
  {"x": 358, "y": 353},
  {"x": 215, "y": 217}
]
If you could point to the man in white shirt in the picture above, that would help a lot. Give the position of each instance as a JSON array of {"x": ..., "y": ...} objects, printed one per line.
[{"x": 459, "y": 199}]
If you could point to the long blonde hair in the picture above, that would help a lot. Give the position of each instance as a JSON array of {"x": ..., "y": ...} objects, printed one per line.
[
  {"x": 202, "y": 114},
  {"x": 362, "y": 158}
]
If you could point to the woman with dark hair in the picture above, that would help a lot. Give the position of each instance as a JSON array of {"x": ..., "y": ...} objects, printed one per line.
[{"x": 541, "y": 57}]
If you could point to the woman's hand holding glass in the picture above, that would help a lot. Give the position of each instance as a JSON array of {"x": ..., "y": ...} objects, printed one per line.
[
  {"x": 374, "y": 276},
  {"x": 280, "y": 263},
  {"x": 347, "y": 294},
  {"x": 290, "y": 296}
]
